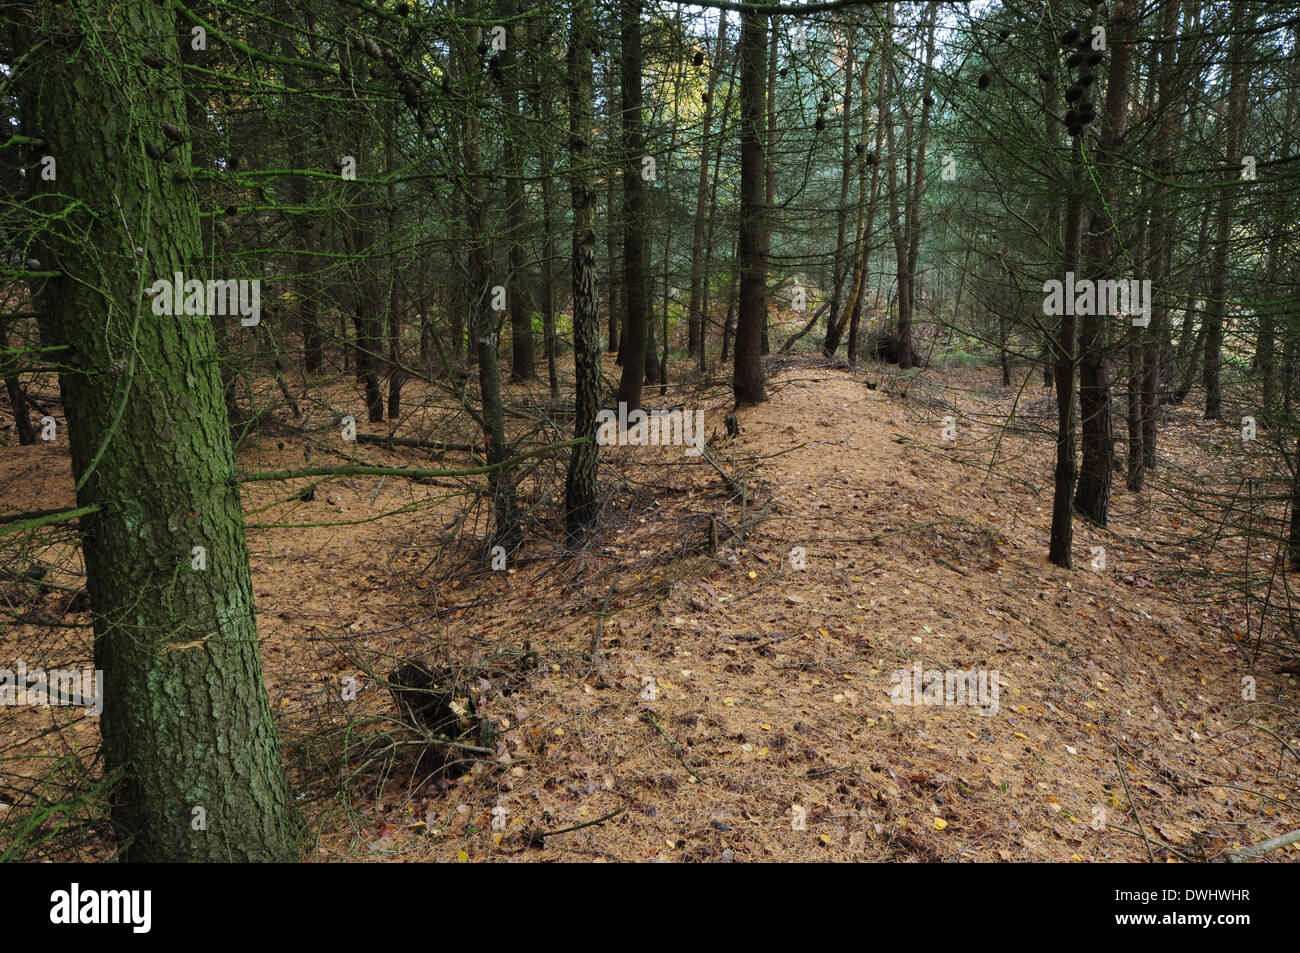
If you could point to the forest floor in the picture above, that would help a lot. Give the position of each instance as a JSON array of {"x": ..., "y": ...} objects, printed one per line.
[{"x": 685, "y": 690}]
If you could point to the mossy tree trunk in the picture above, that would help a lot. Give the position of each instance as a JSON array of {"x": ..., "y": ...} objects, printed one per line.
[{"x": 186, "y": 724}]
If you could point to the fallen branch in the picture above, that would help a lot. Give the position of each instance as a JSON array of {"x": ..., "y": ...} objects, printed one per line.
[
  {"x": 434, "y": 445},
  {"x": 740, "y": 532},
  {"x": 1132, "y": 803},
  {"x": 734, "y": 488},
  {"x": 790, "y": 341},
  {"x": 370, "y": 470},
  {"x": 1260, "y": 849},
  {"x": 536, "y": 837},
  {"x": 649, "y": 719}
]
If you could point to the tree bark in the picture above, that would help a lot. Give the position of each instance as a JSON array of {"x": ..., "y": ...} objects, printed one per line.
[
  {"x": 747, "y": 383},
  {"x": 508, "y": 532},
  {"x": 1092, "y": 496},
  {"x": 523, "y": 359},
  {"x": 1241, "y": 18},
  {"x": 186, "y": 723},
  {"x": 580, "y": 490},
  {"x": 694, "y": 315},
  {"x": 1062, "y": 538},
  {"x": 638, "y": 349}
]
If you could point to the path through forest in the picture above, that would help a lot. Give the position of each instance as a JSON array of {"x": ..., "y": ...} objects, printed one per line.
[
  {"x": 772, "y": 684},
  {"x": 739, "y": 706}
]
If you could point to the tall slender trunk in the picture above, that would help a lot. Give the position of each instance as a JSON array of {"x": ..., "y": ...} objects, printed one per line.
[
  {"x": 1062, "y": 538},
  {"x": 396, "y": 373},
  {"x": 546, "y": 114},
  {"x": 637, "y": 348},
  {"x": 613, "y": 228},
  {"x": 694, "y": 315},
  {"x": 1167, "y": 91},
  {"x": 1092, "y": 495},
  {"x": 747, "y": 382},
  {"x": 866, "y": 221},
  {"x": 580, "y": 491},
  {"x": 846, "y": 177},
  {"x": 913, "y": 216},
  {"x": 523, "y": 359},
  {"x": 706, "y": 309},
  {"x": 769, "y": 160},
  {"x": 1242, "y": 18},
  {"x": 507, "y": 533},
  {"x": 313, "y": 342}
]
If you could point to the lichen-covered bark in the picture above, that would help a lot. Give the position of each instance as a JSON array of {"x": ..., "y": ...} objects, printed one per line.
[{"x": 186, "y": 721}]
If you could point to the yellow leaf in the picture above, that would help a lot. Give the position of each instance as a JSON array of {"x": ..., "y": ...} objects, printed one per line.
[
  {"x": 1019, "y": 735},
  {"x": 940, "y": 824},
  {"x": 825, "y": 839},
  {"x": 461, "y": 856}
]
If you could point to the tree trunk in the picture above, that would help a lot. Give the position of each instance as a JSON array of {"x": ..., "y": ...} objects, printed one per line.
[
  {"x": 866, "y": 220},
  {"x": 546, "y": 114},
  {"x": 613, "y": 235},
  {"x": 1092, "y": 496},
  {"x": 638, "y": 350},
  {"x": 523, "y": 358},
  {"x": 508, "y": 532},
  {"x": 694, "y": 314},
  {"x": 769, "y": 161},
  {"x": 1217, "y": 305},
  {"x": 186, "y": 725},
  {"x": 706, "y": 311},
  {"x": 1062, "y": 539},
  {"x": 913, "y": 216},
  {"x": 747, "y": 383},
  {"x": 1166, "y": 129},
  {"x": 313, "y": 342},
  {"x": 22, "y": 414},
  {"x": 396, "y": 373},
  {"x": 580, "y": 491},
  {"x": 18, "y": 402},
  {"x": 839, "y": 268}
]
